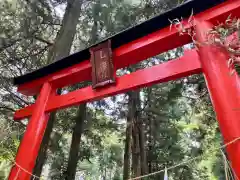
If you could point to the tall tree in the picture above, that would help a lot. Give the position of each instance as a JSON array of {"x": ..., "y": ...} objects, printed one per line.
[
  {"x": 127, "y": 149},
  {"x": 75, "y": 143},
  {"x": 60, "y": 49},
  {"x": 74, "y": 154}
]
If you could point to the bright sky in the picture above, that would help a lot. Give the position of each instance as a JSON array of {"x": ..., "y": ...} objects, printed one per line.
[{"x": 60, "y": 9}]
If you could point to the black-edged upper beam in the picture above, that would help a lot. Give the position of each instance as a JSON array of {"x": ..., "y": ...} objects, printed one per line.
[{"x": 124, "y": 37}]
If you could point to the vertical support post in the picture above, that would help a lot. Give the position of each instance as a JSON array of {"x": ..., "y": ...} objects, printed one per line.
[
  {"x": 224, "y": 91},
  {"x": 30, "y": 144}
]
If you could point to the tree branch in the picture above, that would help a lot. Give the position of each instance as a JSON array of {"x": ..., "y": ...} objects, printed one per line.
[
  {"x": 4, "y": 45},
  {"x": 8, "y": 108},
  {"x": 43, "y": 40}
]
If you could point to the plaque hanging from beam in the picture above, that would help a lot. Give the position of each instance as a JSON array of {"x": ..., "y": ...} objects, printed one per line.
[{"x": 102, "y": 65}]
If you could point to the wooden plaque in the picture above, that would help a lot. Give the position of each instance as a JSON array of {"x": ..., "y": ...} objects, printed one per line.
[{"x": 102, "y": 65}]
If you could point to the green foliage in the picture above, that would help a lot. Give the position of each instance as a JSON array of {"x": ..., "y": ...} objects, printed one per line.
[{"x": 177, "y": 119}]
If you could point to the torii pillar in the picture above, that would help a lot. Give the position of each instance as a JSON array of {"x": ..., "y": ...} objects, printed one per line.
[{"x": 224, "y": 91}]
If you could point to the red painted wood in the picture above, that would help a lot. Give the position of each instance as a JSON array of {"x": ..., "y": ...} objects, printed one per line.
[
  {"x": 131, "y": 53},
  {"x": 174, "y": 69},
  {"x": 123, "y": 56},
  {"x": 221, "y": 12},
  {"x": 225, "y": 93},
  {"x": 30, "y": 144},
  {"x": 77, "y": 73}
]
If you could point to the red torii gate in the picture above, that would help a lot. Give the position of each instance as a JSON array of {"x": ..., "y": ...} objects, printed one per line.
[{"x": 224, "y": 89}]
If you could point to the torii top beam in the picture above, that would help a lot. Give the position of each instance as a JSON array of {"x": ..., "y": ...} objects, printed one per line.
[{"x": 134, "y": 42}]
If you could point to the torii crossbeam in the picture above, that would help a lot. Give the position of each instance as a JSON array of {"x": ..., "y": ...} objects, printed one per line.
[{"x": 129, "y": 47}]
